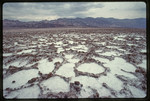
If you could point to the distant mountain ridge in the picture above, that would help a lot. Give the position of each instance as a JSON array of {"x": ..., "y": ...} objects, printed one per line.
[{"x": 77, "y": 22}]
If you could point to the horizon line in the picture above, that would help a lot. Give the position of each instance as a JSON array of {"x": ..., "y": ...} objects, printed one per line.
[{"x": 73, "y": 18}]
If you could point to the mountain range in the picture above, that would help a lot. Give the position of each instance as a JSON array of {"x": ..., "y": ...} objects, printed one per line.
[{"x": 77, "y": 22}]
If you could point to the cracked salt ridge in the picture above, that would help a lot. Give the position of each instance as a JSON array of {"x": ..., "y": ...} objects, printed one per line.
[
  {"x": 112, "y": 53},
  {"x": 98, "y": 51},
  {"x": 60, "y": 50},
  {"x": 143, "y": 64},
  {"x": 90, "y": 68},
  {"x": 70, "y": 58},
  {"x": 111, "y": 81},
  {"x": 55, "y": 84},
  {"x": 66, "y": 70},
  {"x": 46, "y": 67},
  {"x": 86, "y": 81},
  {"x": 143, "y": 50},
  {"x": 80, "y": 48},
  {"x": 137, "y": 92},
  {"x": 120, "y": 37},
  {"x": 112, "y": 47},
  {"x": 95, "y": 83},
  {"x": 104, "y": 60},
  {"x": 17, "y": 63},
  {"x": 26, "y": 51},
  {"x": 71, "y": 42},
  {"x": 59, "y": 43},
  {"x": 117, "y": 64},
  {"x": 7, "y": 54},
  {"x": 20, "y": 78},
  {"x": 30, "y": 92},
  {"x": 57, "y": 60}
]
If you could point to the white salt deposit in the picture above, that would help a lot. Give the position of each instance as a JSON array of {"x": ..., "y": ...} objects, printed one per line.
[
  {"x": 137, "y": 93},
  {"x": 143, "y": 50},
  {"x": 87, "y": 81},
  {"x": 104, "y": 60},
  {"x": 103, "y": 92},
  {"x": 60, "y": 50},
  {"x": 17, "y": 63},
  {"x": 70, "y": 58},
  {"x": 117, "y": 64},
  {"x": 71, "y": 42},
  {"x": 11, "y": 95},
  {"x": 85, "y": 92},
  {"x": 143, "y": 64},
  {"x": 20, "y": 78},
  {"x": 112, "y": 47},
  {"x": 80, "y": 48},
  {"x": 112, "y": 53},
  {"x": 30, "y": 92},
  {"x": 57, "y": 60},
  {"x": 56, "y": 84},
  {"x": 7, "y": 54},
  {"x": 45, "y": 66},
  {"x": 111, "y": 81},
  {"x": 59, "y": 43},
  {"x": 90, "y": 68},
  {"x": 66, "y": 70},
  {"x": 26, "y": 51},
  {"x": 100, "y": 50}
]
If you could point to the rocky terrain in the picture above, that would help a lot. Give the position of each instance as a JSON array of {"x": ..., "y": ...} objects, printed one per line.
[{"x": 74, "y": 63}]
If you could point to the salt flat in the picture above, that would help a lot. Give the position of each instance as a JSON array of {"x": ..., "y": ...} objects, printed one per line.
[{"x": 74, "y": 63}]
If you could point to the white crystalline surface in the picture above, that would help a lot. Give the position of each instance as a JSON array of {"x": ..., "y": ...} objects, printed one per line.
[
  {"x": 110, "y": 53},
  {"x": 20, "y": 78},
  {"x": 26, "y": 51},
  {"x": 17, "y": 63},
  {"x": 91, "y": 68},
  {"x": 87, "y": 81},
  {"x": 45, "y": 66},
  {"x": 60, "y": 50},
  {"x": 59, "y": 43},
  {"x": 7, "y": 54},
  {"x": 104, "y": 60},
  {"x": 117, "y": 64},
  {"x": 80, "y": 48},
  {"x": 31, "y": 92},
  {"x": 56, "y": 84},
  {"x": 137, "y": 92},
  {"x": 143, "y": 64},
  {"x": 70, "y": 58},
  {"x": 143, "y": 50},
  {"x": 57, "y": 60},
  {"x": 110, "y": 80},
  {"x": 66, "y": 70}
]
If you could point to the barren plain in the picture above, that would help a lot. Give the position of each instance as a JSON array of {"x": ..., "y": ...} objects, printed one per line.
[{"x": 74, "y": 63}]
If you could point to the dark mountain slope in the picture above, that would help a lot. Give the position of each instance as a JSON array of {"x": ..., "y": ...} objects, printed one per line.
[{"x": 77, "y": 22}]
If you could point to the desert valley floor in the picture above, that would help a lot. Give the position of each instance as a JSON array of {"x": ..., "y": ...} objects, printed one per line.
[{"x": 74, "y": 63}]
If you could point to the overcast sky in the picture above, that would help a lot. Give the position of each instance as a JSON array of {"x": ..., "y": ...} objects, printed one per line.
[{"x": 54, "y": 10}]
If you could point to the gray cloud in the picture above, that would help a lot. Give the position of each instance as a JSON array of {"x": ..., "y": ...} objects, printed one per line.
[
  {"x": 39, "y": 11},
  {"x": 48, "y": 9}
]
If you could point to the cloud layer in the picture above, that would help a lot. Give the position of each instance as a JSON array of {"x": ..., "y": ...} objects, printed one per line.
[{"x": 53, "y": 10}]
